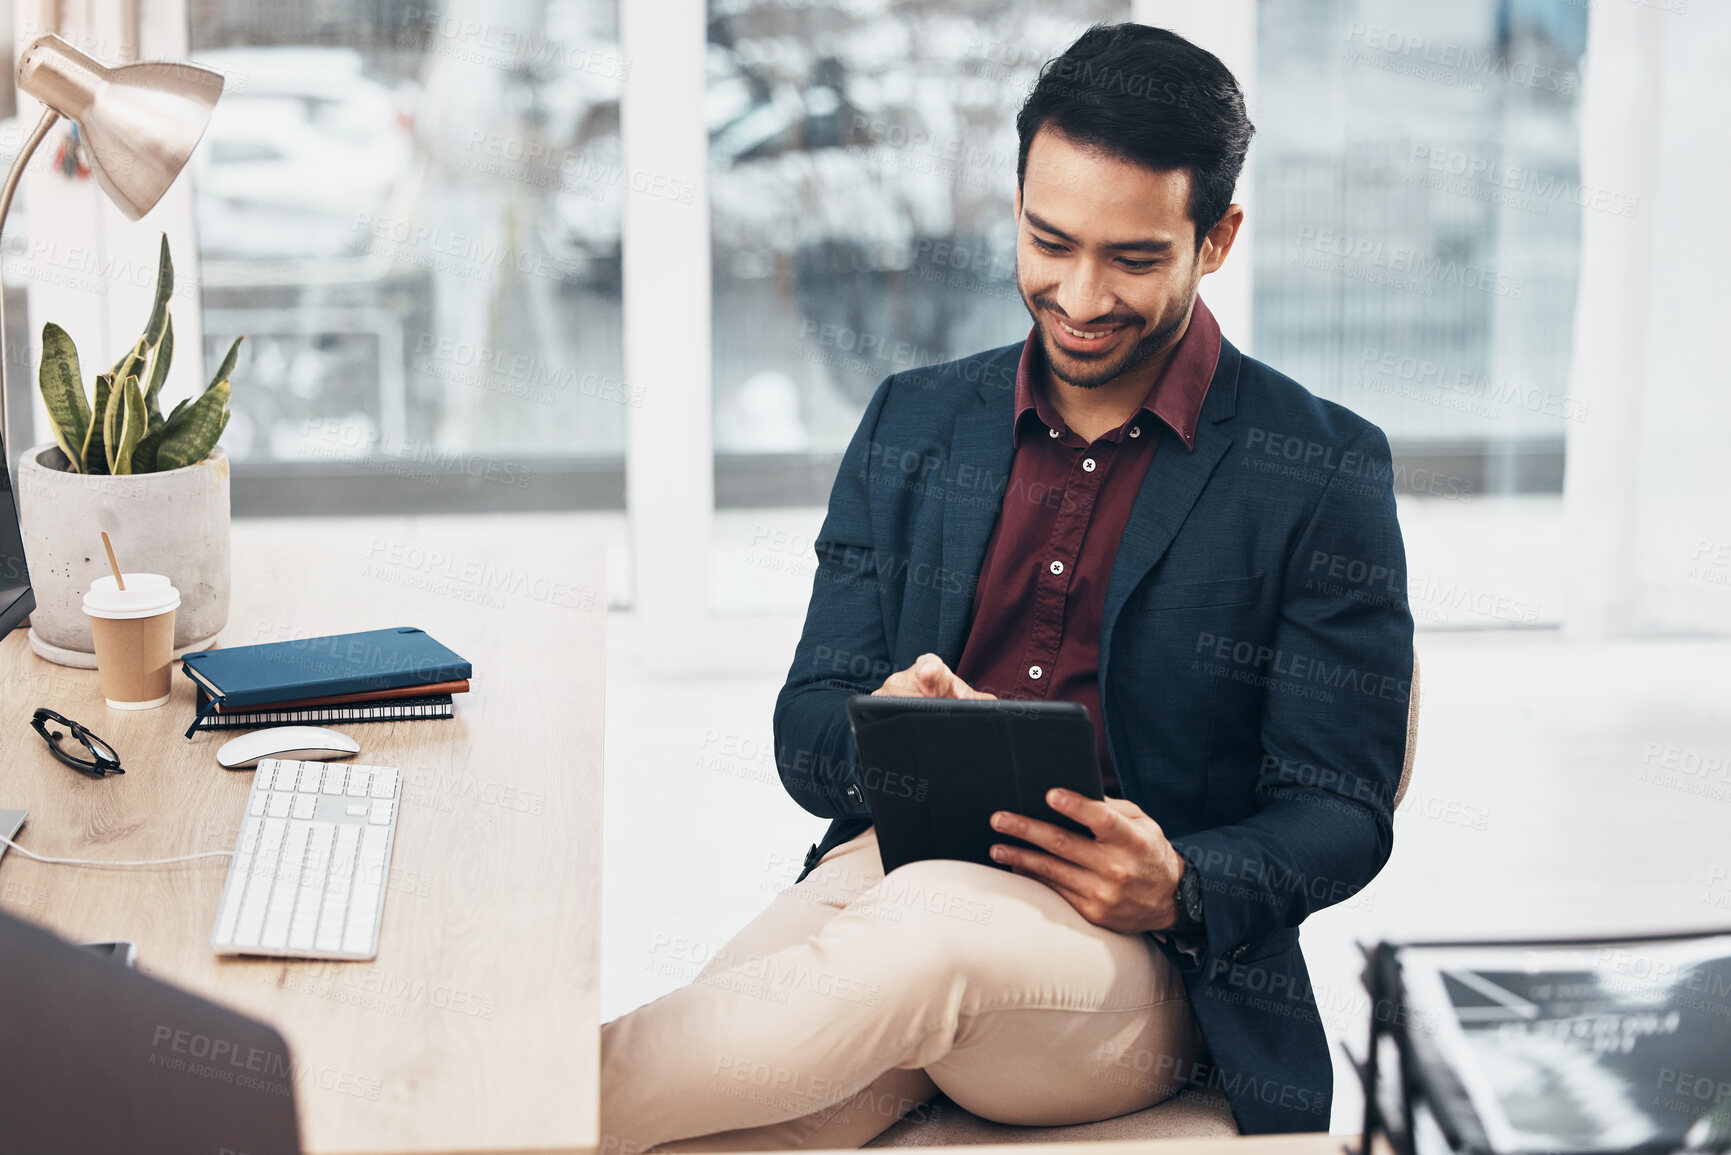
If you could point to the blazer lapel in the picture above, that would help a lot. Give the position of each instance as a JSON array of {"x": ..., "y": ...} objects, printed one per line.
[
  {"x": 978, "y": 470},
  {"x": 1174, "y": 481}
]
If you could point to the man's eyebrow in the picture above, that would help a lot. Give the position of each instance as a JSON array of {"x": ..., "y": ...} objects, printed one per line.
[{"x": 1150, "y": 245}]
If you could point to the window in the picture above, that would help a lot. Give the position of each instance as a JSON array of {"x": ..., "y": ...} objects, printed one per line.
[
  {"x": 1418, "y": 195},
  {"x": 415, "y": 221},
  {"x": 862, "y": 177}
]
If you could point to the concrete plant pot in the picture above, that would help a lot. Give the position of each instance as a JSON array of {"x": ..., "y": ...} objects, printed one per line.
[{"x": 175, "y": 523}]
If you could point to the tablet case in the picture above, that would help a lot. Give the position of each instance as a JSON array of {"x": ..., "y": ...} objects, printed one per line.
[{"x": 934, "y": 770}]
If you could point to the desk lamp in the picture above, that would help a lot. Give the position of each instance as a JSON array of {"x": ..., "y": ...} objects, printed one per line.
[{"x": 139, "y": 123}]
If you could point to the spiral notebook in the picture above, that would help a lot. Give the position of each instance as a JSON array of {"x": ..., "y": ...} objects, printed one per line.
[
  {"x": 393, "y": 710},
  {"x": 337, "y": 678}
]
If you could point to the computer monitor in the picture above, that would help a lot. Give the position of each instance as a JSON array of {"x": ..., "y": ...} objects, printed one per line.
[
  {"x": 16, "y": 600},
  {"x": 96, "y": 1057}
]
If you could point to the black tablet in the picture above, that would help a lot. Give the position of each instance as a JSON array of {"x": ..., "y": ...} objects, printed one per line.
[{"x": 934, "y": 770}]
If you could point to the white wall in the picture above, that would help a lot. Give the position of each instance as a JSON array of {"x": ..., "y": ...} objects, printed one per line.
[{"x": 1645, "y": 493}]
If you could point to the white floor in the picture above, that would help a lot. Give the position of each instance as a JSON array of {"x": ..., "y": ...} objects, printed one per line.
[{"x": 1552, "y": 793}]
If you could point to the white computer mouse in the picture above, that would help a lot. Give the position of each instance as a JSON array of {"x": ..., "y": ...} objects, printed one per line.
[{"x": 308, "y": 743}]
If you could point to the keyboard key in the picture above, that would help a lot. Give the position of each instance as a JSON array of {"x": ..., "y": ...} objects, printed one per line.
[
  {"x": 304, "y": 804},
  {"x": 278, "y": 806},
  {"x": 338, "y": 885},
  {"x": 360, "y": 781},
  {"x": 369, "y": 884},
  {"x": 239, "y": 875},
  {"x": 312, "y": 774},
  {"x": 385, "y": 782},
  {"x": 312, "y": 886},
  {"x": 381, "y": 814},
  {"x": 255, "y": 804},
  {"x": 285, "y": 886},
  {"x": 263, "y": 776},
  {"x": 359, "y": 810},
  {"x": 258, "y": 890},
  {"x": 336, "y": 777}
]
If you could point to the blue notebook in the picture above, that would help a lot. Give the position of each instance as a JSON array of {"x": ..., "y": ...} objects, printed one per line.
[{"x": 319, "y": 668}]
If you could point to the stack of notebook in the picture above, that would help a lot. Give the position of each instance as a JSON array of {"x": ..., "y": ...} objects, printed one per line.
[{"x": 374, "y": 676}]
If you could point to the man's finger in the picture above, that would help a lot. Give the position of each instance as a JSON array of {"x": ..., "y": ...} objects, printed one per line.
[
  {"x": 1063, "y": 843},
  {"x": 931, "y": 674},
  {"x": 1044, "y": 866},
  {"x": 1100, "y": 817}
]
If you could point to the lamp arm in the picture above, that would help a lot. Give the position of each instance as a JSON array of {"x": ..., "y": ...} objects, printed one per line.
[{"x": 49, "y": 116}]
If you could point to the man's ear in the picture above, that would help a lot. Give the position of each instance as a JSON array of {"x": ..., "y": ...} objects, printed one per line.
[{"x": 1217, "y": 242}]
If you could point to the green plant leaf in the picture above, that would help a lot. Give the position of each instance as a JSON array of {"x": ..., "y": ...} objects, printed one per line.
[
  {"x": 144, "y": 456},
  {"x": 94, "y": 457},
  {"x": 158, "y": 323},
  {"x": 158, "y": 374},
  {"x": 227, "y": 365},
  {"x": 131, "y": 425},
  {"x": 132, "y": 364},
  {"x": 191, "y": 432},
  {"x": 112, "y": 415},
  {"x": 63, "y": 392}
]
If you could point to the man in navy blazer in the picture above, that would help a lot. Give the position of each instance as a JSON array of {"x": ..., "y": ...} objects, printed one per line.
[
  {"x": 1255, "y": 660},
  {"x": 1122, "y": 510}
]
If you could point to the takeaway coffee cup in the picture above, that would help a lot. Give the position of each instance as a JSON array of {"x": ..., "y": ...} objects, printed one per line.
[{"x": 133, "y": 629}]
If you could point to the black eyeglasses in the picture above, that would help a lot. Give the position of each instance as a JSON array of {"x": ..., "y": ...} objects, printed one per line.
[{"x": 102, "y": 760}]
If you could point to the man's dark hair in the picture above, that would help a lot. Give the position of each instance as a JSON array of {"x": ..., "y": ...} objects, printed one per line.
[{"x": 1151, "y": 97}]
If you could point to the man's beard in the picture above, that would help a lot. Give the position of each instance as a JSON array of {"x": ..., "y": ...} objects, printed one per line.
[{"x": 1094, "y": 371}]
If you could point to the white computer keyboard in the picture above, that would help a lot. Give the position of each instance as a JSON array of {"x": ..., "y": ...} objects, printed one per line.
[{"x": 308, "y": 875}]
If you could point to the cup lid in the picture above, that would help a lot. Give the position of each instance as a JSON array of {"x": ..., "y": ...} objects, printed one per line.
[{"x": 145, "y": 596}]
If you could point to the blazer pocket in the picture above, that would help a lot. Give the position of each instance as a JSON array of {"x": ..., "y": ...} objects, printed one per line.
[
  {"x": 1194, "y": 595},
  {"x": 1271, "y": 945}
]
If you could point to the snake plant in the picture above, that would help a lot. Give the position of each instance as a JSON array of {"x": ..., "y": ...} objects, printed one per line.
[{"x": 122, "y": 429}]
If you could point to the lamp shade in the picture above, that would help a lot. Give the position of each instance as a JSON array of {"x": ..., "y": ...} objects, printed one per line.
[{"x": 140, "y": 122}]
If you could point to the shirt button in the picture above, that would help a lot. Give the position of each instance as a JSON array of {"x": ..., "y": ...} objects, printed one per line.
[
  {"x": 1135, "y": 431},
  {"x": 1057, "y": 567},
  {"x": 1088, "y": 465},
  {"x": 1034, "y": 672},
  {"x": 1051, "y": 433}
]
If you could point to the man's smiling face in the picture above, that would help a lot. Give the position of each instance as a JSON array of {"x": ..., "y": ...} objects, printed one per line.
[{"x": 1106, "y": 258}]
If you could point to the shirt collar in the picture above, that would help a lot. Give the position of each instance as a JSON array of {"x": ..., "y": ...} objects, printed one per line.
[{"x": 1175, "y": 397}]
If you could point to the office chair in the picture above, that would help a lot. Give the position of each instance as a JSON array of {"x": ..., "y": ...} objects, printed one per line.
[{"x": 1190, "y": 1114}]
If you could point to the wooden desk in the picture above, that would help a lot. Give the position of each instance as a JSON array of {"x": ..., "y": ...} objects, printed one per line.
[{"x": 475, "y": 1029}]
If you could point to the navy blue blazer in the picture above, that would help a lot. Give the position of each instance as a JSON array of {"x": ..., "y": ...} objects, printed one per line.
[{"x": 1255, "y": 664}]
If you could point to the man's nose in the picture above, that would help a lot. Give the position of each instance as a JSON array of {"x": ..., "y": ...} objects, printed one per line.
[{"x": 1083, "y": 295}]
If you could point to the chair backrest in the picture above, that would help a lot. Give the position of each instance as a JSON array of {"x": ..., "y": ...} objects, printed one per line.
[{"x": 1411, "y": 735}]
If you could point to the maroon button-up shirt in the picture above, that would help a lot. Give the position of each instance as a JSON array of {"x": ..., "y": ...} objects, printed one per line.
[{"x": 1042, "y": 590}]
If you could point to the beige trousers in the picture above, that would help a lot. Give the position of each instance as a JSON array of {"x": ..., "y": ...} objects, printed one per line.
[{"x": 854, "y": 998}]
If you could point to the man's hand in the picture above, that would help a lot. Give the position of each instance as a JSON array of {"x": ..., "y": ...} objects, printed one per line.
[
  {"x": 1125, "y": 878},
  {"x": 928, "y": 677}
]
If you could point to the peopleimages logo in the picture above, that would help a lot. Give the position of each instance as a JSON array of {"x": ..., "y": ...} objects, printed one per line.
[
  {"x": 1353, "y": 255},
  {"x": 1459, "y": 65},
  {"x": 1534, "y": 182}
]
